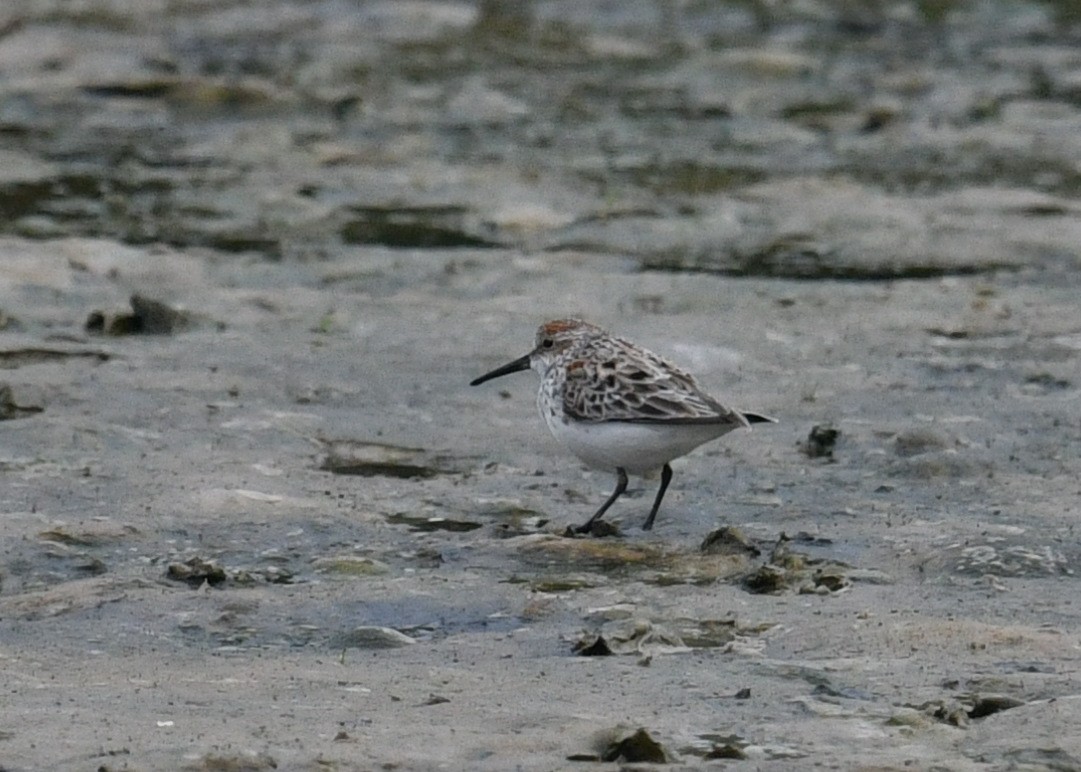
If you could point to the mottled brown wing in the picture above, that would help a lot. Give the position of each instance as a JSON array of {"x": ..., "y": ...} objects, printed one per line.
[{"x": 623, "y": 383}]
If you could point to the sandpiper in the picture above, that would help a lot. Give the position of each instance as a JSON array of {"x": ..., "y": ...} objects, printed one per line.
[{"x": 619, "y": 407}]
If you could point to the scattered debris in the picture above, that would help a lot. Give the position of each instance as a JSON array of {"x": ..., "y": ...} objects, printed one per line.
[
  {"x": 636, "y": 748},
  {"x": 728, "y": 540},
  {"x": 32, "y": 356},
  {"x": 244, "y": 762},
  {"x": 427, "y": 524},
  {"x": 92, "y": 533},
  {"x": 195, "y": 571},
  {"x": 270, "y": 575},
  {"x": 423, "y": 227},
  {"x": 633, "y": 636},
  {"x": 89, "y": 566},
  {"x": 708, "y": 633},
  {"x": 555, "y": 552},
  {"x": 962, "y": 709},
  {"x": 726, "y": 751},
  {"x": 825, "y": 581},
  {"x": 350, "y": 565},
  {"x": 9, "y": 409},
  {"x": 564, "y": 562},
  {"x": 377, "y": 459},
  {"x": 1010, "y": 557},
  {"x": 597, "y": 648},
  {"x": 766, "y": 580},
  {"x": 563, "y": 584},
  {"x": 1042, "y": 383},
  {"x": 915, "y": 442},
  {"x": 821, "y": 441},
  {"x": 372, "y": 637},
  {"x": 510, "y": 519},
  {"x": 147, "y": 317},
  {"x": 76, "y": 595},
  {"x": 803, "y": 537},
  {"x": 786, "y": 569},
  {"x": 989, "y": 704},
  {"x": 426, "y": 557}
]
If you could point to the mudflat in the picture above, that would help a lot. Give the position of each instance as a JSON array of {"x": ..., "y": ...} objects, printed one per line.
[{"x": 254, "y": 517}]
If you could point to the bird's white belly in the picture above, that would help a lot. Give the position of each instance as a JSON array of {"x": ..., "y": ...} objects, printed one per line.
[{"x": 636, "y": 447}]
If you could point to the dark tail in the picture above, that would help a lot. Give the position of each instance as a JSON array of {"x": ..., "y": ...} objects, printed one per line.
[{"x": 755, "y": 418}]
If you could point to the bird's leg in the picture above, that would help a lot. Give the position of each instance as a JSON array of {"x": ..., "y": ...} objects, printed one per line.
[
  {"x": 621, "y": 485},
  {"x": 666, "y": 477}
]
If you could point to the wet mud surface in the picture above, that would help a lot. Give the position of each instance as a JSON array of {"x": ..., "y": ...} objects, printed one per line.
[{"x": 253, "y": 517}]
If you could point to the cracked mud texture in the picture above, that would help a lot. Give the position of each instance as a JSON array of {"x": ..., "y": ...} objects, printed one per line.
[{"x": 282, "y": 532}]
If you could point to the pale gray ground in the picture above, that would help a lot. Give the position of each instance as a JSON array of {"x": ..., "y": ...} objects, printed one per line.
[{"x": 861, "y": 215}]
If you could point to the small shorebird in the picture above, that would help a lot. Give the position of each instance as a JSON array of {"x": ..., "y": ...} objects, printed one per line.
[{"x": 619, "y": 407}]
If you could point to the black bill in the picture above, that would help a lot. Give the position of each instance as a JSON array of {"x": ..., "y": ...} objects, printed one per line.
[{"x": 522, "y": 363}]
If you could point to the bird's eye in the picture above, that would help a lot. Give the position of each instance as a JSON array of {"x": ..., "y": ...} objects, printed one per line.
[{"x": 547, "y": 343}]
